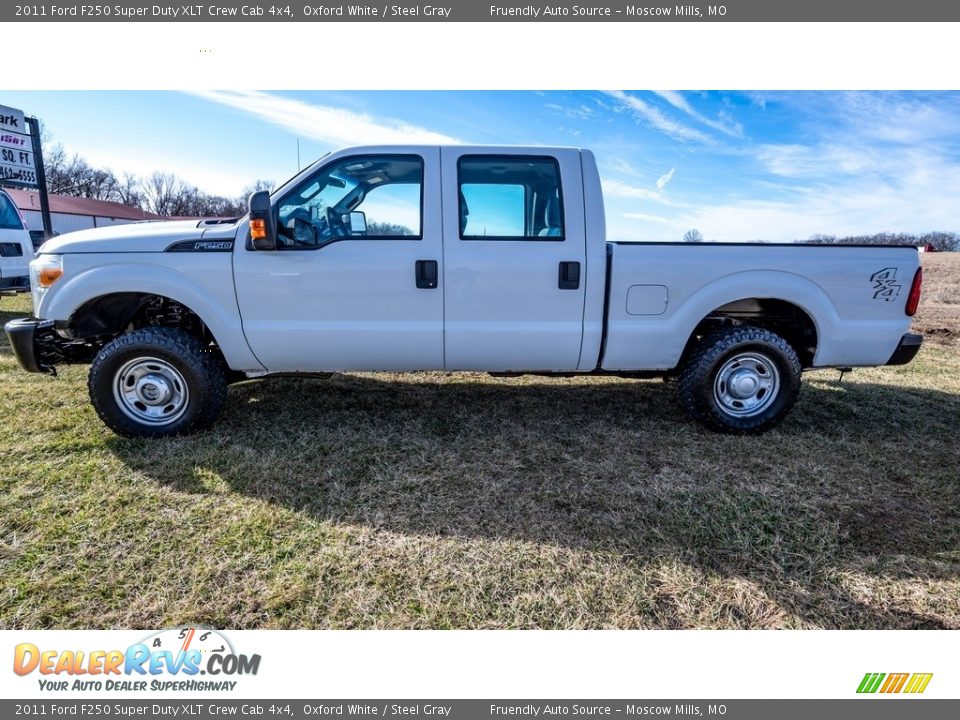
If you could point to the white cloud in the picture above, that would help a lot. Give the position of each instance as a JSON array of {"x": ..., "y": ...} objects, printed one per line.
[
  {"x": 334, "y": 126},
  {"x": 896, "y": 118},
  {"x": 912, "y": 190},
  {"x": 665, "y": 179},
  {"x": 620, "y": 165},
  {"x": 656, "y": 119},
  {"x": 650, "y": 218},
  {"x": 725, "y": 123},
  {"x": 615, "y": 188},
  {"x": 922, "y": 199},
  {"x": 573, "y": 112},
  {"x": 858, "y": 163}
]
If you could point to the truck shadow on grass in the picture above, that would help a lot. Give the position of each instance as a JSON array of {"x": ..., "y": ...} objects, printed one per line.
[{"x": 859, "y": 483}]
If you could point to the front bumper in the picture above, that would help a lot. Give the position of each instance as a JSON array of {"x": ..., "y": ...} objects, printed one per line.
[
  {"x": 907, "y": 349},
  {"x": 34, "y": 344}
]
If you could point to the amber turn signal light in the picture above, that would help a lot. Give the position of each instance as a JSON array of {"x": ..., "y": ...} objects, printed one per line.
[
  {"x": 258, "y": 228},
  {"x": 47, "y": 275}
]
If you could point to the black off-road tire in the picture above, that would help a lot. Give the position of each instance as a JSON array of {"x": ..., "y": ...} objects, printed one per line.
[
  {"x": 201, "y": 368},
  {"x": 698, "y": 377}
]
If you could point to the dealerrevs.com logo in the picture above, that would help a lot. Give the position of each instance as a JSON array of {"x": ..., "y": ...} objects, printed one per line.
[{"x": 168, "y": 660}]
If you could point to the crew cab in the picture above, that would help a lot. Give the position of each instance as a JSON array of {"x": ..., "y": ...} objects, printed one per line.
[{"x": 451, "y": 258}]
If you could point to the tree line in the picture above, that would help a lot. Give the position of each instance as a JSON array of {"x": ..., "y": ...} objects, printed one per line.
[
  {"x": 939, "y": 241},
  {"x": 161, "y": 193}
]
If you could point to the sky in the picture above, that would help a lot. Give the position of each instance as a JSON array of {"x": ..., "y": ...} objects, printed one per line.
[{"x": 738, "y": 166}]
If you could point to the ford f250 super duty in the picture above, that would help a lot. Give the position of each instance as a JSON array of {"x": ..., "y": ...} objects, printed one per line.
[{"x": 452, "y": 258}]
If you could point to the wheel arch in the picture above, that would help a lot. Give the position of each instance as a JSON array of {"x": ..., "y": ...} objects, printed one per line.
[
  {"x": 790, "y": 305},
  {"x": 116, "y": 292},
  {"x": 787, "y": 319}
]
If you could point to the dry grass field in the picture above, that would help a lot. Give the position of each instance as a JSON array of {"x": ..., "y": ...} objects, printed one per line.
[{"x": 465, "y": 501}]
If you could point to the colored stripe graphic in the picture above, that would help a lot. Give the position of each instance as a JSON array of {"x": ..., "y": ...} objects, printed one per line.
[
  {"x": 894, "y": 683},
  {"x": 918, "y": 682},
  {"x": 870, "y": 682}
]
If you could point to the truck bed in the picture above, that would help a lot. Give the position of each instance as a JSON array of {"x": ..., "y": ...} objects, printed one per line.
[{"x": 658, "y": 293}]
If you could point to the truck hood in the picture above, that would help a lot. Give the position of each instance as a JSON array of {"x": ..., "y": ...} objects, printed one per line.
[{"x": 133, "y": 237}]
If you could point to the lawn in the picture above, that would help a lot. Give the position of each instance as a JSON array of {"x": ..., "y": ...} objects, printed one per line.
[{"x": 465, "y": 501}]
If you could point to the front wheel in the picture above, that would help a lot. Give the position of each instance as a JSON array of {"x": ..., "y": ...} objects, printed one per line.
[
  {"x": 157, "y": 381},
  {"x": 741, "y": 380}
]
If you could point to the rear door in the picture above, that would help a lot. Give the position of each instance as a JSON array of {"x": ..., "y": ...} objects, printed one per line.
[{"x": 514, "y": 259}]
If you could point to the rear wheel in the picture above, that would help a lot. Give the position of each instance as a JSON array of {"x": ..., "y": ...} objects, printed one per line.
[
  {"x": 157, "y": 381},
  {"x": 741, "y": 380}
]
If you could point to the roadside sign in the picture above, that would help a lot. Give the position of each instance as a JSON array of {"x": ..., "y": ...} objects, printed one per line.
[
  {"x": 12, "y": 119},
  {"x": 18, "y": 164},
  {"x": 21, "y": 158}
]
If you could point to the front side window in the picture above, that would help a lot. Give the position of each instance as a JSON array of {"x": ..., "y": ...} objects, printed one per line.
[
  {"x": 9, "y": 217},
  {"x": 355, "y": 198},
  {"x": 507, "y": 197}
]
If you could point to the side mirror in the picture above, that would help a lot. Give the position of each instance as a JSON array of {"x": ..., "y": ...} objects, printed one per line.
[
  {"x": 358, "y": 223},
  {"x": 263, "y": 230}
]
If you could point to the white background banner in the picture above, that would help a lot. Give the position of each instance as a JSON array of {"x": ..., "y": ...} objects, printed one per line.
[{"x": 480, "y": 664}]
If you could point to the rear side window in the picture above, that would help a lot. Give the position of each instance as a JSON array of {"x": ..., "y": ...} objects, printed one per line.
[
  {"x": 509, "y": 197},
  {"x": 9, "y": 217}
]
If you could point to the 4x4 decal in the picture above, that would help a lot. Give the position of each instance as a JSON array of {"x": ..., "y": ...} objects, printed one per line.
[{"x": 885, "y": 285}]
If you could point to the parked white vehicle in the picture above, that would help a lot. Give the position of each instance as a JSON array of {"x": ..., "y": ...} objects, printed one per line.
[
  {"x": 451, "y": 258},
  {"x": 16, "y": 247}
]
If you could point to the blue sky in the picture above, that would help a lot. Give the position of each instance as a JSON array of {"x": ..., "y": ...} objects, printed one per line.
[{"x": 735, "y": 165}]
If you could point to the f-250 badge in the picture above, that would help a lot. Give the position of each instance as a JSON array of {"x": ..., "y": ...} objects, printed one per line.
[{"x": 885, "y": 285}]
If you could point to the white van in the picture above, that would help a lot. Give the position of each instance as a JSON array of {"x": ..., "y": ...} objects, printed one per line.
[{"x": 16, "y": 248}]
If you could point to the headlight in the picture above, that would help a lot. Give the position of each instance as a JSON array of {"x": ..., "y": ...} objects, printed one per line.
[{"x": 44, "y": 271}]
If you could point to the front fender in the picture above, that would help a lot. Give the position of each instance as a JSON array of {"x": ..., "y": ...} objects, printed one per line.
[{"x": 206, "y": 288}]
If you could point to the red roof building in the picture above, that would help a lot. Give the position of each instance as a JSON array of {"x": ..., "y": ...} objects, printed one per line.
[{"x": 71, "y": 213}]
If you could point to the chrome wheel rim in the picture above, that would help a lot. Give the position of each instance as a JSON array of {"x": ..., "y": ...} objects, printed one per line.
[
  {"x": 150, "y": 390},
  {"x": 746, "y": 384}
]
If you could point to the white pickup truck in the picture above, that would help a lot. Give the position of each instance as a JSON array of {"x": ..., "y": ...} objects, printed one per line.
[{"x": 451, "y": 258}]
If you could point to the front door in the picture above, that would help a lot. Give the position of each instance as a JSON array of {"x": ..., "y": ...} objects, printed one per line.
[
  {"x": 357, "y": 283},
  {"x": 514, "y": 257}
]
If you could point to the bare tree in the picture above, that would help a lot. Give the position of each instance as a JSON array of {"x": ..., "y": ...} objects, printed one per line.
[
  {"x": 164, "y": 193},
  {"x": 75, "y": 177},
  {"x": 128, "y": 190},
  {"x": 66, "y": 175},
  {"x": 257, "y": 186},
  {"x": 693, "y": 236}
]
